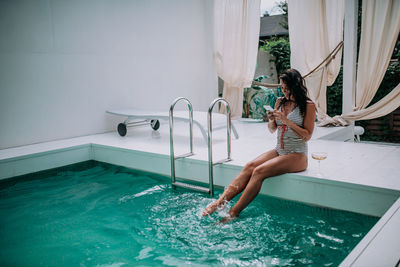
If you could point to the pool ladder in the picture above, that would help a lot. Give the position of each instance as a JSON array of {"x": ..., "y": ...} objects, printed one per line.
[{"x": 211, "y": 164}]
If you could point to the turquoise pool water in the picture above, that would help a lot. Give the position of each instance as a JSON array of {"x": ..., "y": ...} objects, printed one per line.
[{"x": 95, "y": 214}]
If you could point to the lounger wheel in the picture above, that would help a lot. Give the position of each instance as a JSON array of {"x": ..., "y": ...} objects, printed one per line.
[
  {"x": 122, "y": 129},
  {"x": 155, "y": 124}
]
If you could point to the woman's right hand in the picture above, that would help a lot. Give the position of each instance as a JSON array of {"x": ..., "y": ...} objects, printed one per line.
[{"x": 270, "y": 116}]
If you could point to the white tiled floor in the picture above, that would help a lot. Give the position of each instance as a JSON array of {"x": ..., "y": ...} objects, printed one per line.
[{"x": 359, "y": 163}]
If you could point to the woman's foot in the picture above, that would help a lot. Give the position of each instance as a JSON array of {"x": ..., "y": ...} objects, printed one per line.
[
  {"x": 231, "y": 216},
  {"x": 212, "y": 208}
]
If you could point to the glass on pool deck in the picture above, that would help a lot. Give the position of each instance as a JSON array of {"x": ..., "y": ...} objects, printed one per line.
[
  {"x": 319, "y": 156},
  {"x": 95, "y": 214}
]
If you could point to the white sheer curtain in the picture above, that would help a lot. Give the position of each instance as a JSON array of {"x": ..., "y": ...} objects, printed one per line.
[
  {"x": 380, "y": 27},
  {"x": 236, "y": 34},
  {"x": 315, "y": 30},
  {"x": 379, "y": 30}
]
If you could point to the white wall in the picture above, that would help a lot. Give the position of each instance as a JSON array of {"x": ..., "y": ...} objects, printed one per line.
[{"x": 63, "y": 63}]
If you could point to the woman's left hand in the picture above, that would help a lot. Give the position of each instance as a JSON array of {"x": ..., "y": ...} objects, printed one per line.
[{"x": 280, "y": 116}]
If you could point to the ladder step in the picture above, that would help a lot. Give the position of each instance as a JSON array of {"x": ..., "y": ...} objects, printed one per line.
[
  {"x": 184, "y": 155},
  {"x": 221, "y": 161},
  {"x": 193, "y": 187}
]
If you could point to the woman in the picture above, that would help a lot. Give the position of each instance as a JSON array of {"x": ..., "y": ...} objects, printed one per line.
[{"x": 293, "y": 117}]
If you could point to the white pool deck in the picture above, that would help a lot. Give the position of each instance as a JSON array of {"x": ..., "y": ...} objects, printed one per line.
[{"x": 372, "y": 167}]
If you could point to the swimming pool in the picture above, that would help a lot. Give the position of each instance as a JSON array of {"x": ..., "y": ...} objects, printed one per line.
[{"x": 96, "y": 214}]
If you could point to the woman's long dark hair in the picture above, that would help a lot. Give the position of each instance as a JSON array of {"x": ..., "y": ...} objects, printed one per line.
[{"x": 295, "y": 84}]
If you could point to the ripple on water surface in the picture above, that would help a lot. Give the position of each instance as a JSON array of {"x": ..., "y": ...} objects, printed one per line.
[{"x": 95, "y": 214}]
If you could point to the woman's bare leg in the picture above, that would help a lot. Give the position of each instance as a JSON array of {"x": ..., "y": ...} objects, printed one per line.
[
  {"x": 240, "y": 181},
  {"x": 294, "y": 162}
]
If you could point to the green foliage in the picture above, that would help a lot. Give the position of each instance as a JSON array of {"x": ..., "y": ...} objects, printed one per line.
[
  {"x": 280, "y": 49},
  {"x": 390, "y": 81},
  {"x": 334, "y": 96}
]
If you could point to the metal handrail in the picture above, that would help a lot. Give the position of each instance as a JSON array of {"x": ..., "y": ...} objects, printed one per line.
[
  {"x": 228, "y": 141},
  {"x": 171, "y": 134}
]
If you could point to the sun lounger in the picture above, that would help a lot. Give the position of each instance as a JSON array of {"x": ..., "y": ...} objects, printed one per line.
[{"x": 140, "y": 117}]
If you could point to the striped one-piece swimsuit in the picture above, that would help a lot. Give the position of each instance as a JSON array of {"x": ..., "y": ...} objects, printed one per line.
[{"x": 288, "y": 141}]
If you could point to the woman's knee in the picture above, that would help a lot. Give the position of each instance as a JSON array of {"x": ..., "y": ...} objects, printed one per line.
[
  {"x": 260, "y": 174},
  {"x": 249, "y": 167}
]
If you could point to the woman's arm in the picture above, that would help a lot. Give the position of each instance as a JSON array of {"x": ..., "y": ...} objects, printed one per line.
[
  {"x": 305, "y": 132},
  {"x": 271, "y": 118}
]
